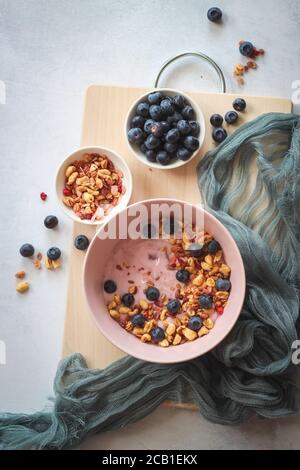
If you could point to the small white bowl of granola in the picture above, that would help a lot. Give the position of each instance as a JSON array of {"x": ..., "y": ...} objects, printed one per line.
[{"x": 93, "y": 183}]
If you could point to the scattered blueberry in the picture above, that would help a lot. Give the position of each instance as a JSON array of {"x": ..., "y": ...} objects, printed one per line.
[
  {"x": 155, "y": 97},
  {"x": 173, "y": 136},
  {"x": 110, "y": 286},
  {"x": 213, "y": 246},
  {"x": 195, "y": 323},
  {"x": 155, "y": 112},
  {"x": 152, "y": 294},
  {"x": 54, "y": 253},
  {"x": 166, "y": 126},
  {"x": 195, "y": 128},
  {"x": 246, "y": 48},
  {"x": 167, "y": 107},
  {"x": 135, "y": 135},
  {"x": 51, "y": 221},
  {"x": 183, "y": 154},
  {"x": 182, "y": 275},
  {"x": 157, "y": 334},
  {"x": 149, "y": 231},
  {"x": 231, "y": 117},
  {"x": 173, "y": 306},
  {"x": 163, "y": 157},
  {"x": 151, "y": 155},
  {"x": 138, "y": 320},
  {"x": 142, "y": 109},
  {"x": 128, "y": 300},
  {"x": 170, "y": 148},
  {"x": 188, "y": 113},
  {"x": 183, "y": 126},
  {"x": 143, "y": 148},
  {"x": 157, "y": 129},
  {"x": 179, "y": 101},
  {"x": 138, "y": 121},
  {"x": 195, "y": 249},
  {"x": 148, "y": 126},
  {"x": 205, "y": 301},
  {"x": 26, "y": 250},
  {"x": 219, "y": 134},
  {"x": 214, "y": 14},
  {"x": 191, "y": 143},
  {"x": 216, "y": 120},
  {"x": 152, "y": 142},
  {"x": 81, "y": 242},
  {"x": 239, "y": 104},
  {"x": 223, "y": 284}
]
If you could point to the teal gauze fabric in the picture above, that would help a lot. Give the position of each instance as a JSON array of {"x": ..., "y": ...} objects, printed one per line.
[{"x": 251, "y": 371}]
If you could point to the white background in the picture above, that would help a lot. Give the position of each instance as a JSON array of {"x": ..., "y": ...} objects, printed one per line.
[{"x": 50, "y": 51}]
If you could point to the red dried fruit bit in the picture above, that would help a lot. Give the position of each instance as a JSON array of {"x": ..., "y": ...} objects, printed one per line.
[
  {"x": 67, "y": 192},
  {"x": 120, "y": 186},
  {"x": 43, "y": 196},
  {"x": 86, "y": 216},
  {"x": 220, "y": 310},
  {"x": 261, "y": 51},
  {"x": 246, "y": 68}
]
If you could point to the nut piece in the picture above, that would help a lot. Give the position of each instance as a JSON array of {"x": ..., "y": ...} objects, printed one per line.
[
  {"x": 114, "y": 314},
  {"x": 22, "y": 287},
  {"x": 170, "y": 329},
  {"x": 72, "y": 177},
  {"x": 225, "y": 270},
  {"x": 189, "y": 334},
  {"x": 146, "y": 338},
  {"x": 208, "y": 323},
  {"x": 20, "y": 274},
  {"x": 138, "y": 331},
  {"x": 210, "y": 281},
  {"x": 144, "y": 304},
  {"x": 164, "y": 343},
  {"x": 37, "y": 264},
  {"x": 70, "y": 170},
  {"x": 198, "y": 281},
  {"x": 177, "y": 339},
  {"x": 56, "y": 263},
  {"x": 203, "y": 331},
  {"x": 132, "y": 289},
  {"x": 48, "y": 263},
  {"x": 124, "y": 310}
]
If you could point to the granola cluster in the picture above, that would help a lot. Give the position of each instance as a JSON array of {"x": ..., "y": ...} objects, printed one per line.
[
  {"x": 92, "y": 186},
  {"x": 199, "y": 297}
]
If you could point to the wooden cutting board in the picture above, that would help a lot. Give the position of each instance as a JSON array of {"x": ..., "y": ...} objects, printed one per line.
[{"x": 103, "y": 124}]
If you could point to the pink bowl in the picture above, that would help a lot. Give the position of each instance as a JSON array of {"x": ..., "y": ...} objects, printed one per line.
[{"x": 94, "y": 273}]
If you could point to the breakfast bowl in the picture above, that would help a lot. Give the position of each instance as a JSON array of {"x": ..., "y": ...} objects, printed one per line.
[
  {"x": 92, "y": 184},
  {"x": 136, "y": 288},
  {"x": 164, "y": 128}
]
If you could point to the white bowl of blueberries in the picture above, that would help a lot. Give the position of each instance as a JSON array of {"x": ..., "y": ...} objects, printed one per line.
[{"x": 165, "y": 128}]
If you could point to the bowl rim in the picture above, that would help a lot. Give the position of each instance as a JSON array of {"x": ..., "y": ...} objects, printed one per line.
[
  {"x": 129, "y": 183},
  {"x": 178, "y": 163},
  {"x": 187, "y": 356}
]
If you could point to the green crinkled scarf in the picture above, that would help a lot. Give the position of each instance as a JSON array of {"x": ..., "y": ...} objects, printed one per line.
[{"x": 251, "y": 370}]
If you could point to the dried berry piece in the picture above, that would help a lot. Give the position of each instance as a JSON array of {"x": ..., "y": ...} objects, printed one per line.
[{"x": 43, "y": 196}]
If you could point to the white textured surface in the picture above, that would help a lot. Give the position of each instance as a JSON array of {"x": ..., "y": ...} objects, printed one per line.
[{"x": 50, "y": 52}]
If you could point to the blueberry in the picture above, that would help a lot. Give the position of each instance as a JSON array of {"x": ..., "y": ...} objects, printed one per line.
[
  {"x": 231, "y": 117},
  {"x": 110, "y": 286},
  {"x": 167, "y": 107},
  {"x": 239, "y": 104},
  {"x": 191, "y": 143},
  {"x": 138, "y": 121},
  {"x": 219, "y": 134},
  {"x": 142, "y": 109},
  {"x": 26, "y": 250},
  {"x": 143, "y": 148},
  {"x": 223, "y": 284},
  {"x": 179, "y": 101},
  {"x": 213, "y": 246},
  {"x": 188, "y": 113},
  {"x": 157, "y": 129},
  {"x": 169, "y": 147},
  {"x": 183, "y": 154},
  {"x": 81, "y": 242},
  {"x": 216, "y": 120},
  {"x": 135, "y": 135},
  {"x": 157, "y": 334},
  {"x": 205, "y": 301},
  {"x": 173, "y": 306},
  {"x": 51, "y": 221},
  {"x": 163, "y": 157},
  {"x": 155, "y": 112},
  {"x": 148, "y": 126},
  {"x": 152, "y": 293},
  {"x": 195, "y": 323},
  {"x": 138, "y": 320},
  {"x": 214, "y": 14},
  {"x": 152, "y": 142},
  {"x": 128, "y": 300},
  {"x": 195, "y": 249},
  {"x": 151, "y": 155},
  {"x": 183, "y": 127},
  {"x": 246, "y": 48},
  {"x": 195, "y": 128},
  {"x": 166, "y": 126},
  {"x": 182, "y": 275},
  {"x": 149, "y": 231},
  {"x": 173, "y": 136},
  {"x": 54, "y": 253},
  {"x": 155, "y": 97}
]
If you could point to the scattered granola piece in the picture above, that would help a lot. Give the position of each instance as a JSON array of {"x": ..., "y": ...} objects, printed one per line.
[
  {"x": 22, "y": 287},
  {"x": 20, "y": 274}
]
